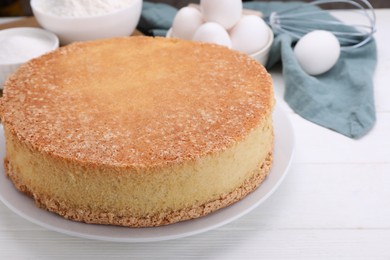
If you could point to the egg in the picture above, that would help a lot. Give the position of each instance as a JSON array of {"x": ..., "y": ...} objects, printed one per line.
[
  {"x": 186, "y": 22},
  {"x": 226, "y": 13},
  {"x": 170, "y": 34},
  {"x": 250, "y": 34},
  {"x": 212, "y": 33},
  {"x": 317, "y": 52}
]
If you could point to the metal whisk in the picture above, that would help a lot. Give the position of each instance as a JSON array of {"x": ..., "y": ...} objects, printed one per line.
[{"x": 302, "y": 19}]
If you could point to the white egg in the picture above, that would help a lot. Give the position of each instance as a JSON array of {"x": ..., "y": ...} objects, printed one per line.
[
  {"x": 226, "y": 12},
  {"x": 212, "y": 33},
  {"x": 186, "y": 22},
  {"x": 317, "y": 52},
  {"x": 250, "y": 34},
  {"x": 170, "y": 34}
]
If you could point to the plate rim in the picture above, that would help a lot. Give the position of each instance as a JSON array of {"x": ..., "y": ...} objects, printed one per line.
[{"x": 279, "y": 118}]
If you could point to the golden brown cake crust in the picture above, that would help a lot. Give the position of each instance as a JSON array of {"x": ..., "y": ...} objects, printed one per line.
[
  {"x": 148, "y": 120},
  {"x": 165, "y": 218}
]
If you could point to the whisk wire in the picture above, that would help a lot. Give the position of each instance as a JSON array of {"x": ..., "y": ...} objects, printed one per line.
[
  {"x": 301, "y": 19},
  {"x": 304, "y": 21},
  {"x": 340, "y": 35}
]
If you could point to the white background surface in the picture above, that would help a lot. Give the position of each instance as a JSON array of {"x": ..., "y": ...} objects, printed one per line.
[{"x": 333, "y": 204}]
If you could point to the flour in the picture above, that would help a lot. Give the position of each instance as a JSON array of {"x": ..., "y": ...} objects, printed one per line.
[
  {"x": 19, "y": 49},
  {"x": 79, "y": 8}
]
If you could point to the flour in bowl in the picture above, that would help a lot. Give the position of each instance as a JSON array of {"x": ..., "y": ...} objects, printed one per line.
[{"x": 79, "y": 8}]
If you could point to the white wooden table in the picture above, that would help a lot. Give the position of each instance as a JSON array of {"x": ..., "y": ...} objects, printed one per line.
[{"x": 334, "y": 203}]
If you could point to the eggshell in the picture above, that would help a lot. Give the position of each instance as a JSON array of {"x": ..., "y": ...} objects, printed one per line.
[
  {"x": 213, "y": 33},
  {"x": 170, "y": 34},
  {"x": 224, "y": 12},
  {"x": 317, "y": 52},
  {"x": 186, "y": 22},
  {"x": 250, "y": 34}
]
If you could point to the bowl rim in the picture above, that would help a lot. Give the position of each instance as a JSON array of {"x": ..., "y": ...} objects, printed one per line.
[
  {"x": 268, "y": 45},
  {"x": 55, "y": 42},
  {"x": 65, "y": 18}
]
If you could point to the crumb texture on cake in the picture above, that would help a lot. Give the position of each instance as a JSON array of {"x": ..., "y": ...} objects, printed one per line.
[
  {"x": 137, "y": 111},
  {"x": 163, "y": 218},
  {"x": 56, "y": 184}
]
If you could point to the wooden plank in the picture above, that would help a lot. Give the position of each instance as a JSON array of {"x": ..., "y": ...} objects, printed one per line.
[
  {"x": 326, "y": 197},
  {"x": 24, "y": 22},
  {"x": 219, "y": 244},
  {"x": 311, "y": 147}
]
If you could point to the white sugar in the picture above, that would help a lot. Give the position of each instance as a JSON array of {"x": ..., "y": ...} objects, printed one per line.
[{"x": 19, "y": 48}]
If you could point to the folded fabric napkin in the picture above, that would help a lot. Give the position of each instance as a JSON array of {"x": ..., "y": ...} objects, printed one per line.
[{"x": 341, "y": 99}]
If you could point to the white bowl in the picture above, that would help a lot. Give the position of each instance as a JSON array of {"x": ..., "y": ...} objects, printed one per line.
[
  {"x": 260, "y": 56},
  {"x": 8, "y": 67},
  {"x": 70, "y": 29}
]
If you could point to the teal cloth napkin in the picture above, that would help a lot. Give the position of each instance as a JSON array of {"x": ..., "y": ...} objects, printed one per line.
[{"x": 341, "y": 99}]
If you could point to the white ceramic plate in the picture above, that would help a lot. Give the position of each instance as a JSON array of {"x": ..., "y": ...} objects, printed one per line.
[{"x": 25, "y": 207}]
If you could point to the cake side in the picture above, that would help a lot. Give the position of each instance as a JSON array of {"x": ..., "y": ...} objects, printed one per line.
[
  {"x": 130, "y": 198},
  {"x": 171, "y": 217}
]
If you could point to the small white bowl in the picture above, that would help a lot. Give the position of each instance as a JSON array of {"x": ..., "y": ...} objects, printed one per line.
[
  {"x": 70, "y": 29},
  {"x": 7, "y": 68},
  {"x": 260, "y": 56}
]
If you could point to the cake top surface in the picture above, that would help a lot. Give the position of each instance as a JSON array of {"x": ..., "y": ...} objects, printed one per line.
[{"x": 136, "y": 101}]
